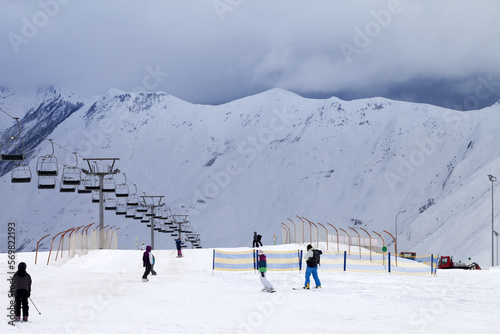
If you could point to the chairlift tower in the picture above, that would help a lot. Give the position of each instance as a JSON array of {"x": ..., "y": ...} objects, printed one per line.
[
  {"x": 152, "y": 202},
  {"x": 179, "y": 220},
  {"x": 107, "y": 170}
]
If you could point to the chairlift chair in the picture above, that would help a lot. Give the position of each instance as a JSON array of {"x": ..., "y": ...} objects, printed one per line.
[
  {"x": 138, "y": 216},
  {"x": 121, "y": 209},
  {"x": 110, "y": 203},
  {"x": 145, "y": 220},
  {"x": 47, "y": 166},
  {"x": 71, "y": 176},
  {"x": 21, "y": 174},
  {"x": 157, "y": 227},
  {"x": 133, "y": 198},
  {"x": 130, "y": 213},
  {"x": 18, "y": 151},
  {"x": 150, "y": 212},
  {"x": 46, "y": 182},
  {"x": 108, "y": 185},
  {"x": 158, "y": 213},
  {"x": 141, "y": 208},
  {"x": 95, "y": 196},
  {"x": 83, "y": 190},
  {"x": 67, "y": 188},
  {"x": 173, "y": 234},
  {"x": 92, "y": 182}
]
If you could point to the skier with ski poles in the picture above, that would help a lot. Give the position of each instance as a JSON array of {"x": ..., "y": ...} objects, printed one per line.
[{"x": 23, "y": 291}]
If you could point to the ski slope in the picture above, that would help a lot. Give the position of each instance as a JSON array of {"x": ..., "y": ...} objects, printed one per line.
[{"x": 102, "y": 292}]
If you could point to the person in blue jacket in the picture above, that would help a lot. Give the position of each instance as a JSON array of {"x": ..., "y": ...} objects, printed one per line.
[{"x": 178, "y": 245}]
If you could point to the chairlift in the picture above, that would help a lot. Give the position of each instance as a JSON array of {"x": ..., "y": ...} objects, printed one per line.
[
  {"x": 95, "y": 196},
  {"x": 108, "y": 185},
  {"x": 83, "y": 190},
  {"x": 133, "y": 199},
  {"x": 122, "y": 188},
  {"x": 142, "y": 208},
  {"x": 67, "y": 188},
  {"x": 72, "y": 175},
  {"x": 21, "y": 174},
  {"x": 150, "y": 212},
  {"x": 18, "y": 151},
  {"x": 109, "y": 203},
  {"x": 47, "y": 165},
  {"x": 158, "y": 213},
  {"x": 121, "y": 209},
  {"x": 91, "y": 182},
  {"x": 46, "y": 182},
  {"x": 130, "y": 213}
]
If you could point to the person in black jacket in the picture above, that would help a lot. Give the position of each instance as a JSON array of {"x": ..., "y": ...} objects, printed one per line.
[
  {"x": 312, "y": 258},
  {"x": 256, "y": 239},
  {"x": 23, "y": 291}
]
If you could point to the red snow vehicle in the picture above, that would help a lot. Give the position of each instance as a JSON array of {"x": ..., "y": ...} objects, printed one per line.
[{"x": 446, "y": 262}]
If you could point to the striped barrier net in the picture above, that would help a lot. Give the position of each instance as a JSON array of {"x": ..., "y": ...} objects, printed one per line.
[{"x": 330, "y": 261}]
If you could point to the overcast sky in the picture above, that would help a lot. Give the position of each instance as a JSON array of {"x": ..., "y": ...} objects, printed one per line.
[{"x": 213, "y": 51}]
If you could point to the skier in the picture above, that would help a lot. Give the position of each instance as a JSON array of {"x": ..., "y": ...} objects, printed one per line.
[
  {"x": 147, "y": 262},
  {"x": 312, "y": 260},
  {"x": 23, "y": 291},
  {"x": 178, "y": 245},
  {"x": 268, "y": 287},
  {"x": 259, "y": 237},
  {"x": 142, "y": 247}
]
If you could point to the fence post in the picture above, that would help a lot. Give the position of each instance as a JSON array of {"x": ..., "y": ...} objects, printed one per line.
[
  {"x": 36, "y": 254},
  {"x": 300, "y": 259},
  {"x": 213, "y": 263},
  {"x": 345, "y": 261}
]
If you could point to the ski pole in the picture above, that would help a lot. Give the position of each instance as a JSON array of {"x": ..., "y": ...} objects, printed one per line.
[{"x": 34, "y": 305}]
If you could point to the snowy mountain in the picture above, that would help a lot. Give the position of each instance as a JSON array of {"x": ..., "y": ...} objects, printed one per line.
[{"x": 250, "y": 164}]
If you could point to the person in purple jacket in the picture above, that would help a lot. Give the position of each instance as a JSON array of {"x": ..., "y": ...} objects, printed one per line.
[{"x": 147, "y": 262}]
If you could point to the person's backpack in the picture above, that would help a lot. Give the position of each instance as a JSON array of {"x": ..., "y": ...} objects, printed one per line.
[{"x": 316, "y": 256}]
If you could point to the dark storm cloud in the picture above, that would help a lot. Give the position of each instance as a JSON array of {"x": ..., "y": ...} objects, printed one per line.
[{"x": 213, "y": 51}]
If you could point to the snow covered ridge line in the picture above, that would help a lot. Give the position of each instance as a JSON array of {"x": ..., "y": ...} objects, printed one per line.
[
  {"x": 248, "y": 149},
  {"x": 330, "y": 261}
]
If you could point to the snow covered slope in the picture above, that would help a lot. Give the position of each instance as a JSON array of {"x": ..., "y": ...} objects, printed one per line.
[
  {"x": 249, "y": 164},
  {"x": 102, "y": 292}
]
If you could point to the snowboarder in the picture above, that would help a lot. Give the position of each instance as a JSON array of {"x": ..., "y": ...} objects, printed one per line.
[
  {"x": 178, "y": 245},
  {"x": 268, "y": 287},
  {"x": 312, "y": 259},
  {"x": 147, "y": 262},
  {"x": 23, "y": 291}
]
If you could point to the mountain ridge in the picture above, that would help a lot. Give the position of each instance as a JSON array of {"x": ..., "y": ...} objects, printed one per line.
[{"x": 251, "y": 163}]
